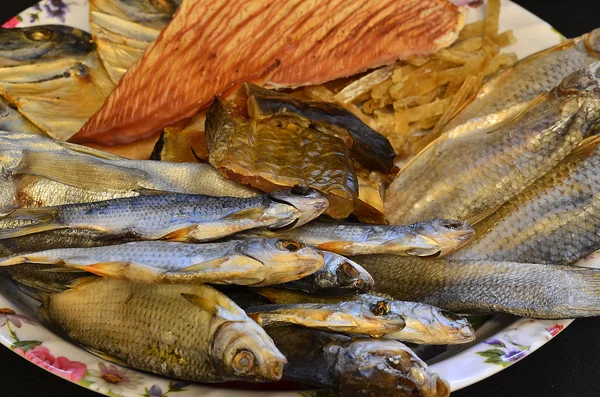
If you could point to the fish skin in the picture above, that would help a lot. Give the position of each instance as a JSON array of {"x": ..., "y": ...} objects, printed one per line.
[
  {"x": 437, "y": 237},
  {"x": 258, "y": 262},
  {"x": 41, "y": 171},
  {"x": 368, "y": 146},
  {"x": 425, "y": 324},
  {"x": 277, "y": 36},
  {"x": 174, "y": 216},
  {"x": 487, "y": 287},
  {"x": 123, "y": 320},
  {"x": 509, "y": 91},
  {"x": 12, "y": 120},
  {"x": 122, "y": 30},
  {"x": 338, "y": 276},
  {"x": 20, "y": 46},
  {"x": 488, "y": 169},
  {"x": 355, "y": 367},
  {"x": 148, "y": 13},
  {"x": 556, "y": 220},
  {"x": 354, "y": 317},
  {"x": 56, "y": 81}
]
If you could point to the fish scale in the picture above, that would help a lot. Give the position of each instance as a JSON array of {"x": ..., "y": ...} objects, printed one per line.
[
  {"x": 487, "y": 286},
  {"x": 134, "y": 324},
  {"x": 255, "y": 262},
  {"x": 508, "y": 91},
  {"x": 556, "y": 220},
  {"x": 489, "y": 168},
  {"x": 177, "y": 217}
]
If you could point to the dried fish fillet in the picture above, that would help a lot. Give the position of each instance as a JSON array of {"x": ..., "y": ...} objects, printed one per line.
[
  {"x": 287, "y": 43},
  {"x": 273, "y": 158}
]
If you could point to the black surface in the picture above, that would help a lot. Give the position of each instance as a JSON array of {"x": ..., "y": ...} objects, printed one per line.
[{"x": 568, "y": 366}]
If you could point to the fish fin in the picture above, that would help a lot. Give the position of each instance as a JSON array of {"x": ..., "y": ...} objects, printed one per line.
[
  {"x": 89, "y": 151},
  {"x": 204, "y": 304},
  {"x": 104, "y": 356},
  {"x": 41, "y": 286},
  {"x": 585, "y": 147},
  {"x": 29, "y": 229},
  {"x": 78, "y": 171},
  {"x": 105, "y": 269},
  {"x": 39, "y": 214},
  {"x": 21, "y": 259},
  {"x": 80, "y": 282},
  {"x": 205, "y": 265},
  {"x": 248, "y": 213},
  {"x": 182, "y": 234},
  {"x": 478, "y": 217},
  {"x": 236, "y": 269},
  {"x": 334, "y": 246}
]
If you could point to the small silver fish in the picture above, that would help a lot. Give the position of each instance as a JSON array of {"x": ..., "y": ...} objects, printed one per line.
[
  {"x": 429, "y": 238},
  {"x": 354, "y": 317},
  {"x": 257, "y": 262},
  {"x": 175, "y": 217},
  {"x": 40, "y": 171}
]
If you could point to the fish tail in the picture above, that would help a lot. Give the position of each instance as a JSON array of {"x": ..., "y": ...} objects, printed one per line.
[{"x": 45, "y": 218}]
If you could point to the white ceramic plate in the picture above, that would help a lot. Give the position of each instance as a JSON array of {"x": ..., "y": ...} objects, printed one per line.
[{"x": 501, "y": 341}]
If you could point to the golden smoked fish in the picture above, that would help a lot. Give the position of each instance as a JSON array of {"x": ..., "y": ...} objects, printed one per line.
[
  {"x": 141, "y": 326},
  {"x": 556, "y": 220},
  {"x": 509, "y": 91},
  {"x": 469, "y": 176}
]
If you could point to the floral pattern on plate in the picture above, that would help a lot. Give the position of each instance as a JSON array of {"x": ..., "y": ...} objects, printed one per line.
[{"x": 501, "y": 343}]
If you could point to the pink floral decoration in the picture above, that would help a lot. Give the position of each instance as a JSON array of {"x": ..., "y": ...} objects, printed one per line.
[
  {"x": 555, "y": 329},
  {"x": 12, "y": 23},
  {"x": 61, "y": 366}
]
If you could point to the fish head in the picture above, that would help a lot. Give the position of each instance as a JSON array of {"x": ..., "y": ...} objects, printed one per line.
[
  {"x": 308, "y": 202},
  {"x": 245, "y": 351},
  {"x": 346, "y": 274},
  {"x": 447, "y": 235},
  {"x": 283, "y": 256},
  {"x": 23, "y": 45},
  {"x": 591, "y": 42},
  {"x": 384, "y": 367},
  {"x": 456, "y": 327},
  {"x": 585, "y": 81}
]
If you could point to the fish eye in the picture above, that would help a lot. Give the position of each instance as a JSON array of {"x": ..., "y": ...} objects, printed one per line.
[
  {"x": 39, "y": 35},
  {"x": 243, "y": 361},
  {"x": 301, "y": 190},
  {"x": 381, "y": 308},
  {"x": 289, "y": 245},
  {"x": 349, "y": 270},
  {"x": 453, "y": 224}
]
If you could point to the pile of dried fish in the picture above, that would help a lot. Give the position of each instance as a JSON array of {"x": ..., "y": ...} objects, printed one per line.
[{"x": 229, "y": 255}]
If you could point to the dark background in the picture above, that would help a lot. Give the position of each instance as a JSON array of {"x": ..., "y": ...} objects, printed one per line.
[{"x": 568, "y": 366}]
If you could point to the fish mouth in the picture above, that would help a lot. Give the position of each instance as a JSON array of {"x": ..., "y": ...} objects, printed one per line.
[{"x": 307, "y": 201}]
